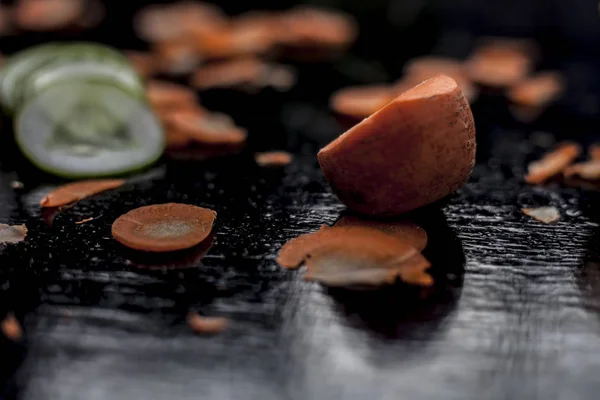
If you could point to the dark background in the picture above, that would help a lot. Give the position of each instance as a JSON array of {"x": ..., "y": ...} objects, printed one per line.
[{"x": 515, "y": 311}]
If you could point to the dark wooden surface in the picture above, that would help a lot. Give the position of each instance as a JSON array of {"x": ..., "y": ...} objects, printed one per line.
[{"x": 515, "y": 313}]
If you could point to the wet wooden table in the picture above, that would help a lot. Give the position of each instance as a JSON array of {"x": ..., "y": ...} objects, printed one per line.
[{"x": 515, "y": 313}]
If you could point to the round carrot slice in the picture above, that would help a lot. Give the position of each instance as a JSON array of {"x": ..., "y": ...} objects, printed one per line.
[
  {"x": 164, "y": 227},
  {"x": 73, "y": 192},
  {"x": 213, "y": 128},
  {"x": 166, "y": 95}
]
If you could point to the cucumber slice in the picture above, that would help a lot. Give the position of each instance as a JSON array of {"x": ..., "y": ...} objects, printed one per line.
[
  {"x": 18, "y": 68},
  {"x": 65, "y": 70},
  {"x": 86, "y": 129}
]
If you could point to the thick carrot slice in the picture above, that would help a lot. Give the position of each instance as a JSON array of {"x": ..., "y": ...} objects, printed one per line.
[
  {"x": 164, "y": 227},
  {"x": 414, "y": 151},
  {"x": 552, "y": 163},
  {"x": 73, "y": 192}
]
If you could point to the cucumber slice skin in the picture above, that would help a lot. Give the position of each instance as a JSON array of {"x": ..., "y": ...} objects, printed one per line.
[
  {"x": 18, "y": 68},
  {"x": 144, "y": 125},
  {"x": 91, "y": 70}
]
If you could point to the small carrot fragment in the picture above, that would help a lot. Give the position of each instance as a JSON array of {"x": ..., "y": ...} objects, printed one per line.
[
  {"x": 274, "y": 158},
  {"x": 552, "y": 163},
  {"x": 11, "y": 328},
  {"x": 547, "y": 215},
  {"x": 76, "y": 191},
  {"x": 83, "y": 221},
  {"x": 203, "y": 325},
  {"x": 12, "y": 233},
  {"x": 164, "y": 227}
]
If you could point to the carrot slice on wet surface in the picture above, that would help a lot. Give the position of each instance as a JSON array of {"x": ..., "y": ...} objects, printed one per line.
[
  {"x": 553, "y": 163},
  {"x": 352, "y": 255},
  {"x": 405, "y": 230},
  {"x": 164, "y": 227},
  {"x": 273, "y": 158},
  {"x": 73, "y": 192}
]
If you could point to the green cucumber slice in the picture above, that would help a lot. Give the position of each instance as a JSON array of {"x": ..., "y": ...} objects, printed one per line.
[
  {"x": 86, "y": 129},
  {"x": 64, "y": 71},
  {"x": 18, "y": 68}
]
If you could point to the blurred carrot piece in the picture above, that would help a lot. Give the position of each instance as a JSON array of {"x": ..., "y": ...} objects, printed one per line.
[
  {"x": 538, "y": 90},
  {"x": 211, "y": 128},
  {"x": 47, "y": 15},
  {"x": 553, "y": 163},
  {"x": 361, "y": 101},
  {"x": 273, "y": 158}
]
